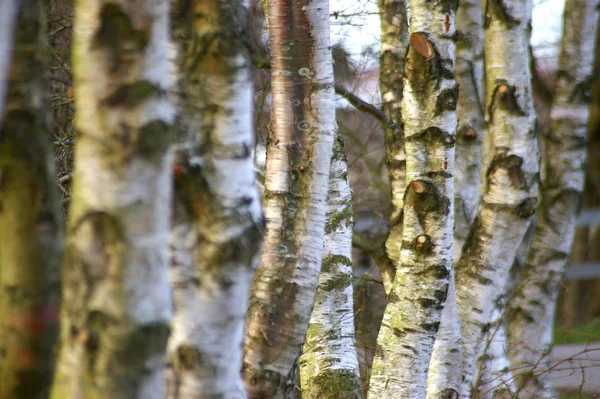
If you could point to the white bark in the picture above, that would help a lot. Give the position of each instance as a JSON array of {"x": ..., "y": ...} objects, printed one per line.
[
  {"x": 446, "y": 360},
  {"x": 532, "y": 310},
  {"x": 217, "y": 223},
  {"x": 116, "y": 294},
  {"x": 8, "y": 19},
  {"x": 509, "y": 187},
  {"x": 329, "y": 364},
  {"x": 413, "y": 313},
  {"x": 297, "y": 170}
]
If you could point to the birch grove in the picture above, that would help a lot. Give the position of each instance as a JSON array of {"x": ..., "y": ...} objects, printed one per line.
[{"x": 177, "y": 274}]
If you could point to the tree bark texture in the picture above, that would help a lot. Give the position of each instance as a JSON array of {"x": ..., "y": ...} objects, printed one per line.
[
  {"x": 413, "y": 312},
  {"x": 217, "y": 225},
  {"x": 116, "y": 295},
  {"x": 30, "y": 220},
  {"x": 298, "y": 159},
  {"x": 329, "y": 363},
  {"x": 531, "y": 313},
  {"x": 394, "y": 42},
  {"x": 444, "y": 371},
  {"x": 509, "y": 187}
]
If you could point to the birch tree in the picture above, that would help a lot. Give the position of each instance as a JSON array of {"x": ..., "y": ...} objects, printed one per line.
[
  {"x": 8, "y": 16},
  {"x": 298, "y": 159},
  {"x": 31, "y": 225},
  {"x": 329, "y": 363},
  {"x": 412, "y": 316},
  {"x": 509, "y": 186},
  {"x": 394, "y": 42},
  {"x": 444, "y": 371},
  {"x": 531, "y": 311},
  {"x": 217, "y": 223},
  {"x": 116, "y": 295}
]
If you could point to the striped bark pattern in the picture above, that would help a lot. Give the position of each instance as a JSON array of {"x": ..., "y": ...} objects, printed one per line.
[
  {"x": 413, "y": 313},
  {"x": 531, "y": 312},
  {"x": 297, "y": 170},
  {"x": 394, "y": 42},
  {"x": 509, "y": 186},
  {"x": 30, "y": 219},
  {"x": 116, "y": 294},
  {"x": 217, "y": 226},
  {"x": 329, "y": 363}
]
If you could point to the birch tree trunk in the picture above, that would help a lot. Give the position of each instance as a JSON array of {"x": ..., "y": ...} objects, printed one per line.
[
  {"x": 444, "y": 371},
  {"x": 531, "y": 316},
  {"x": 8, "y": 19},
  {"x": 297, "y": 170},
  {"x": 329, "y": 364},
  {"x": 30, "y": 221},
  {"x": 217, "y": 223},
  {"x": 394, "y": 42},
  {"x": 116, "y": 295},
  {"x": 413, "y": 313},
  {"x": 509, "y": 188}
]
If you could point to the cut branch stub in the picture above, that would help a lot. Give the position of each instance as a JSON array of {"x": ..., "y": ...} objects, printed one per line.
[
  {"x": 417, "y": 186},
  {"x": 421, "y": 45}
]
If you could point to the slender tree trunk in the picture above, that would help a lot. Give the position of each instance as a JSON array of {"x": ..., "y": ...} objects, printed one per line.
[
  {"x": 509, "y": 188},
  {"x": 394, "y": 42},
  {"x": 532, "y": 309},
  {"x": 413, "y": 312},
  {"x": 217, "y": 218},
  {"x": 329, "y": 364},
  {"x": 444, "y": 371},
  {"x": 298, "y": 160},
  {"x": 116, "y": 295},
  {"x": 8, "y": 20},
  {"x": 30, "y": 221}
]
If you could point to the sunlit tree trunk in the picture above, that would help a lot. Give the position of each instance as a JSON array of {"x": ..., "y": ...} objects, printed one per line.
[
  {"x": 116, "y": 295},
  {"x": 509, "y": 187},
  {"x": 329, "y": 364},
  {"x": 30, "y": 220},
  {"x": 413, "y": 312},
  {"x": 8, "y": 20},
  {"x": 217, "y": 223},
  {"x": 297, "y": 170},
  {"x": 444, "y": 371},
  {"x": 394, "y": 42},
  {"x": 531, "y": 316}
]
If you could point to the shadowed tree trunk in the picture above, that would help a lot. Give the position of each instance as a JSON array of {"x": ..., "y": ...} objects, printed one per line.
[
  {"x": 116, "y": 295},
  {"x": 509, "y": 187},
  {"x": 8, "y": 19},
  {"x": 217, "y": 223},
  {"x": 30, "y": 221},
  {"x": 297, "y": 170},
  {"x": 531, "y": 316},
  {"x": 413, "y": 312}
]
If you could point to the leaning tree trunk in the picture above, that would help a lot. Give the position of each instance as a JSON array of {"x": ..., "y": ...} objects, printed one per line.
[
  {"x": 217, "y": 223},
  {"x": 531, "y": 315},
  {"x": 8, "y": 20},
  {"x": 509, "y": 188},
  {"x": 413, "y": 312},
  {"x": 444, "y": 371},
  {"x": 30, "y": 221},
  {"x": 394, "y": 41},
  {"x": 329, "y": 364},
  {"x": 116, "y": 295},
  {"x": 298, "y": 160}
]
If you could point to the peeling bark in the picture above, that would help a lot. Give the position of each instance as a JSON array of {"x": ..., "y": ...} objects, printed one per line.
[
  {"x": 329, "y": 364},
  {"x": 116, "y": 294},
  {"x": 217, "y": 225},
  {"x": 531, "y": 316},
  {"x": 30, "y": 221},
  {"x": 413, "y": 312},
  {"x": 509, "y": 187},
  {"x": 446, "y": 360},
  {"x": 297, "y": 170},
  {"x": 394, "y": 42}
]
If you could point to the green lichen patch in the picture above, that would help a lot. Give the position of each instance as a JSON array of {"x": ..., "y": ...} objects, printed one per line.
[
  {"x": 333, "y": 384},
  {"x": 154, "y": 139}
]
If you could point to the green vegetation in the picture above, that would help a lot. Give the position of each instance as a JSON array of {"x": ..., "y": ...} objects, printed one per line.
[{"x": 577, "y": 335}]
